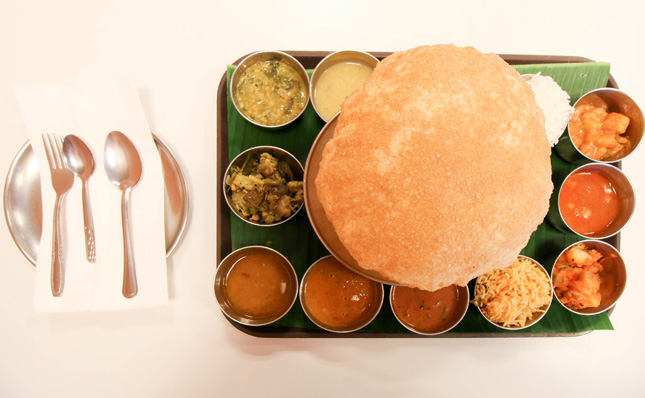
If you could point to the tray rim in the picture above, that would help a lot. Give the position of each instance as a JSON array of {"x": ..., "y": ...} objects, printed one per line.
[{"x": 309, "y": 59}]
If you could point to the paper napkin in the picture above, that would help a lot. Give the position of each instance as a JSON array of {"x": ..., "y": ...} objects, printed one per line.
[{"x": 91, "y": 111}]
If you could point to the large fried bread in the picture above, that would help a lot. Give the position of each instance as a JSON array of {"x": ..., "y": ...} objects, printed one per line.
[{"x": 439, "y": 169}]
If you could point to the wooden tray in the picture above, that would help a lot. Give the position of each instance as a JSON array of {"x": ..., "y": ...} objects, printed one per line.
[{"x": 310, "y": 59}]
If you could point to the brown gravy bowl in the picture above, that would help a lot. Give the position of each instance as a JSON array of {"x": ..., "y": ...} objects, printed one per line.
[
  {"x": 429, "y": 313},
  {"x": 255, "y": 286},
  {"x": 338, "y": 299}
]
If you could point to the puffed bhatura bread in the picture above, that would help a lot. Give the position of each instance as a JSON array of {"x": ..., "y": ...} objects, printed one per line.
[{"x": 439, "y": 169}]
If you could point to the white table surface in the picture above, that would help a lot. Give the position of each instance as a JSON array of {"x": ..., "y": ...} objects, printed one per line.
[{"x": 177, "y": 52}]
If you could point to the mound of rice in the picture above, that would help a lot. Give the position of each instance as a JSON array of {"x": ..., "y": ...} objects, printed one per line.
[{"x": 554, "y": 102}]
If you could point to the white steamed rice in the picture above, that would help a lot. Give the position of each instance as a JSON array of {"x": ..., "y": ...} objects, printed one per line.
[{"x": 554, "y": 102}]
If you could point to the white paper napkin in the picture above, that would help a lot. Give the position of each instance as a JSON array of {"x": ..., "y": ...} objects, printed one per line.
[{"x": 91, "y": 112}]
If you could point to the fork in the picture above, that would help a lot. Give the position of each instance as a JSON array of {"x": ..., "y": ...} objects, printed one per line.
[{"x": 62, "y": 180}]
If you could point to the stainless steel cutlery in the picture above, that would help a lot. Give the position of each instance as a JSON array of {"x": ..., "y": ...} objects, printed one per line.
[
  {"x": 62, "y": 180},
  {"x": 123, "y": 167},
  {"x": 80, "y": 161}
]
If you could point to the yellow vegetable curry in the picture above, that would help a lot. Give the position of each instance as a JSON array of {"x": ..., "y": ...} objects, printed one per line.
[{"x": 271, "y": 93}]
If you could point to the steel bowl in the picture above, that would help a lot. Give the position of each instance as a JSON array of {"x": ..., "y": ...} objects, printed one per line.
[
  {"x": 464, "y": 295},
  {"x": 261, "y": 56},
  {"x": 613, "y": 277},
  {"x": 281, "y": 154},
  {"x": 348, "y": 328},
  {"x": 219, "y": 286},
  {"x": 613, "y": 100},
  {"x": 536, "y": 318},
  {"x": 624, "y": 190},
  {"x": 334, "y": 58}
]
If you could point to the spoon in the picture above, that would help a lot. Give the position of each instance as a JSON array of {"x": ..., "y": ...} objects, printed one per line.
[
  {"x": 80, "y": 161},
  {"x": 123, "y": 168}
]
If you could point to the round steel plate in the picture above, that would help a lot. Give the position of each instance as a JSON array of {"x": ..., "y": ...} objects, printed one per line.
[
  {"x": 23, "y": 203},
  {"x": 323, "y": 227}
]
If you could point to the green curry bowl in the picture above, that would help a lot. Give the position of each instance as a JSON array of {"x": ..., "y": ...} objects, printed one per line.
[
  {"x": 270, "y": 89},
  {"x": 263, "y": 186}
]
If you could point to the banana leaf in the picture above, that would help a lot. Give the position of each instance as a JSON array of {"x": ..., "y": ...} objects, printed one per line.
[{"x": 297, "y": 240}]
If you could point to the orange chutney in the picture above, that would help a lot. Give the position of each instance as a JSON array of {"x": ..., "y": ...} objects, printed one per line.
[
  {"x": 588, "y": 202},
  {"x": 258, "y": 285},
  {"x": 428, "y": 312},
  {"x": 337, "y": 296}
]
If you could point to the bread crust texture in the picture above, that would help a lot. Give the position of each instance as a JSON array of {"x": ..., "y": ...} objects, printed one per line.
[{"x": 439, "y": 169}]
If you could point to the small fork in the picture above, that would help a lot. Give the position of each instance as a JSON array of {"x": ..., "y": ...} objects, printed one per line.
[{"x": 62, "y": 180}]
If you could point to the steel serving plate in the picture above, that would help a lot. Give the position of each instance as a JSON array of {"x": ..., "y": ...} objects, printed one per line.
[
  {"x": 323, "y": 227},
  {"x": 23, "y": 203}
]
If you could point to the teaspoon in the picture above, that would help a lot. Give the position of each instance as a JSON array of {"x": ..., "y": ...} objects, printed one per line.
[
  {"x": 80, "y": 161},
  {"x": 123, "y": 168}
]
